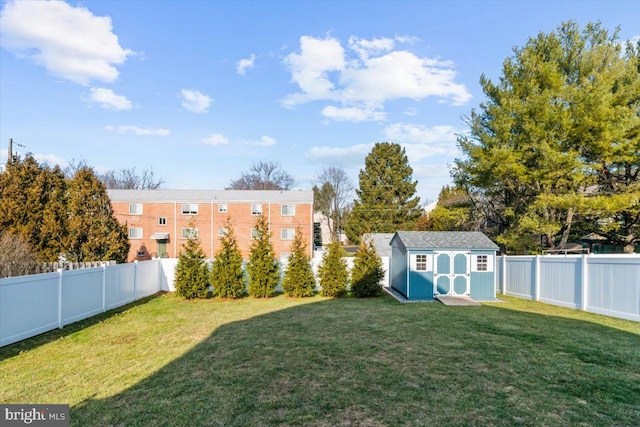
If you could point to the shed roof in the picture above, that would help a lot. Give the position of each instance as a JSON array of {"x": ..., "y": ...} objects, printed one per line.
[
  {"x": 218, "y": 196},
  {"x": 380, "y": 241},
  {"x": 445, "y": 240}
]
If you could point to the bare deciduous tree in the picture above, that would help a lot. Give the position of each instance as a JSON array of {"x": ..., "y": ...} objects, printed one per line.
[
  {"x": 332, "y": 195},
  {"x": 17, "y": 258},
  {"x": 263, "y": 176}
]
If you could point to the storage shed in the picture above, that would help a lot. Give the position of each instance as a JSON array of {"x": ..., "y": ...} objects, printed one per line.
[{"x": 428, "y": 264}]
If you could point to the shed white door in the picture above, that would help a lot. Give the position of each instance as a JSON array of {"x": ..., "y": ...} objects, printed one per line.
[{"x": 451, "y": 273}]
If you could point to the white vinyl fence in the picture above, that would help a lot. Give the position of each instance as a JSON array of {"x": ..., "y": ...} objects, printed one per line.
[
  {"x": 31, "y": 305},
  {"x": 603, "y": 284}
]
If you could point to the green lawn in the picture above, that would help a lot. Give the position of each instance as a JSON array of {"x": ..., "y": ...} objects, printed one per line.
[{"x": 332, "y": 362}]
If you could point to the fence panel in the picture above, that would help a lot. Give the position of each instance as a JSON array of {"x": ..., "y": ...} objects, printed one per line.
[
  {"x": 81, "y": 294},
  {"x": 28, "y": 306},
  {"x": 561, "y": 280},
  {"x": 148, "y": 278},
  {"x": 119, "y": 285},
  {"x": 520, "y": 280},
  {"x": 614, "y": 286}
]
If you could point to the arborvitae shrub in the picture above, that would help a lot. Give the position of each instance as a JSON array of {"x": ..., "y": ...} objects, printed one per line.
[
  {"x": 192, "y": 272},
  {"x": 367, "y": 272},
  {"x": 298, "y": 279},
  {"x": 227, "y": 274},
  {"x": 334, "y": 276},
  {"x": 263, "y": 269}
]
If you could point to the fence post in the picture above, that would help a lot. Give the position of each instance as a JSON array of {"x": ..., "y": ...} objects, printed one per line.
[
  {"x": 504, "y": 273},
  {"x": 135, "y": 280},
  {"x": 60, "y": 325},
  {"x": 537, "y": 279},
  {"x": 104, "y": 288},
  {"x": 584, "y": 282}
]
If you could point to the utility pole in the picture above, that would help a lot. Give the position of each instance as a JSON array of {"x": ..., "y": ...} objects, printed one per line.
[{"x": 10, "y": 152}]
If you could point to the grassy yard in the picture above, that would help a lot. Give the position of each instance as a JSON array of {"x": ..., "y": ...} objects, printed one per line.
[{"x": 324, "y": 362}]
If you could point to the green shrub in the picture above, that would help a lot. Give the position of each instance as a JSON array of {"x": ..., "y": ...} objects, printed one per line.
[
  {"x": 263, "y": 269},
  {"x": 192, "y": 272},
  {"x": 298, "y": 279},
  {"x": 367, "y": 272},
  {"x": 334, "y": 276},
  {"x": 227, "y": 275}
]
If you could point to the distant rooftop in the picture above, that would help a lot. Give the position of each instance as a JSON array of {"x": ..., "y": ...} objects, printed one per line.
[
  {"x": 207, "y": 196},
  {"x": 380, "y": 241}
]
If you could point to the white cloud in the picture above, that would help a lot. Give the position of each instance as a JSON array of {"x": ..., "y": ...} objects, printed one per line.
[
  {"x": 51, "y": 159},
  {"x": 353, "y": 114},
  {"x": 139, "y": 131},
  {"x": 109, "y": 100},
  {"x": 324, "y": 71},
  {"x": 195, "y": 101},
  {"x": 215, "y": 139},
  {"x": 264, "y": 141},
  {"x": 70, "y": 42},
  {"x": 245, "y": 64},
  {"x": 421, "y": 142},
  {"x": 353, "y": 155}
]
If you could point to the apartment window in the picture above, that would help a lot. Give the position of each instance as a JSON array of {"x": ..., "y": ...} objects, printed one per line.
[
  {"x": 254, "y": 234},
  {"x": 135, "y": 233},
  {"x": 256, "y": 209},
  {"x": 162, "y": 220},
  {"x": 189, "y": 209},
  {"x": 288, "y": 210},
  {"x": 287, "y": 233},
  {"x": 135, "y": 208},
  {"x": 421, "y": 262},
  {"x": 222, "y": 207},
  {"x": 284, "y": 256},
  {"x": 482, "y": 263},
  {"x": 189, "y": 233},
  {"x": 223, "y": 231}
]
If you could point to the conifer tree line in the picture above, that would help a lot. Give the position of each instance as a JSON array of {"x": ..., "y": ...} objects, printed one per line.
[
  {"x": 227, "y": 277},
  {"x": 54, "y": 215}
]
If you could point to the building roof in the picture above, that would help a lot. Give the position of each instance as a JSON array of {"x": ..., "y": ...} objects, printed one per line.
[
  {"x": 380, "y": 241},
  {"x": 217, "y": 196},
  {"x": 445, "y": 240}
]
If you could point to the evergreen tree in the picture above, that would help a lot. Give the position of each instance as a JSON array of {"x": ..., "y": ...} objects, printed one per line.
[
  {"x": 94, "y": 232},
  {"x": 227, "y": 274},
  {"x": 263, "y": 269},
  {"x": 192, "y": 273},
  {"x": 367, "y": 272},
  {"x": 333, "y": 273},
  {"x": 386, "y": 200},
  {"x": 33, "y": 201},
  {"x": 298, "y": 279},
  {"x": 557, "y": 140}
]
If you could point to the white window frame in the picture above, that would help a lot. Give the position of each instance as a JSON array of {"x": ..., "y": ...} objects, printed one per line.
[
  {"x": 426, "y": 262},
  {"x": 188, "y": 209},
  {"x": 133, "y": 233},
  {"x": 284, "y": 256},
  {"x": 254, "y": 234},
  {"x": 287, "y": 234},
  {"x": 256, "y": 209},
  {"x": 184, "y": 233},
  {"x": 135, "y": 209},
  {"x": 223, "y": 208},
  {"x": 290, "y": 210},
  {"x": 223, "y": 231},
  {"x": 477, "y": 261},
  {"x": 162, "y": 221}
]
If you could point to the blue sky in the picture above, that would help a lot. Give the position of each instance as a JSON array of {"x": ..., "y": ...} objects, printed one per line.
[{"x": 200, "y": 90}]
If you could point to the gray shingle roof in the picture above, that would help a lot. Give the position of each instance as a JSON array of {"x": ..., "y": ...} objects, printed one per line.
[
  {"x": 217, "y": 196},
  {"x": 380, "y": 241},
  {"x": 446, "y": 240}
]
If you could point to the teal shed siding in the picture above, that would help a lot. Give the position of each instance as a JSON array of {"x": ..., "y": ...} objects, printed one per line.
[{"x": 419, "y": 285}]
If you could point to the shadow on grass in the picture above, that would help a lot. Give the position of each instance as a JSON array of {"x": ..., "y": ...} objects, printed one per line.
[
  {"x": 376, "y": 362},
  {"x": 14, "y": 349}
]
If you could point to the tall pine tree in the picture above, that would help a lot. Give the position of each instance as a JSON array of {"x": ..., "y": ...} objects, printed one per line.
[
  {"x": 192, "y": 273},
  {"x": 263, "y": 269},
  {"x": 298, "y": 278},
  {"x": 94, "y": 232},
  {"x": 386, "y": 200},
  {"x": 227, "y": 274}
]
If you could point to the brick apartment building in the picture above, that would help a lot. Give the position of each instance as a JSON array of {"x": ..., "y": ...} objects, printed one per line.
[{"x": 160, "y": 221}]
